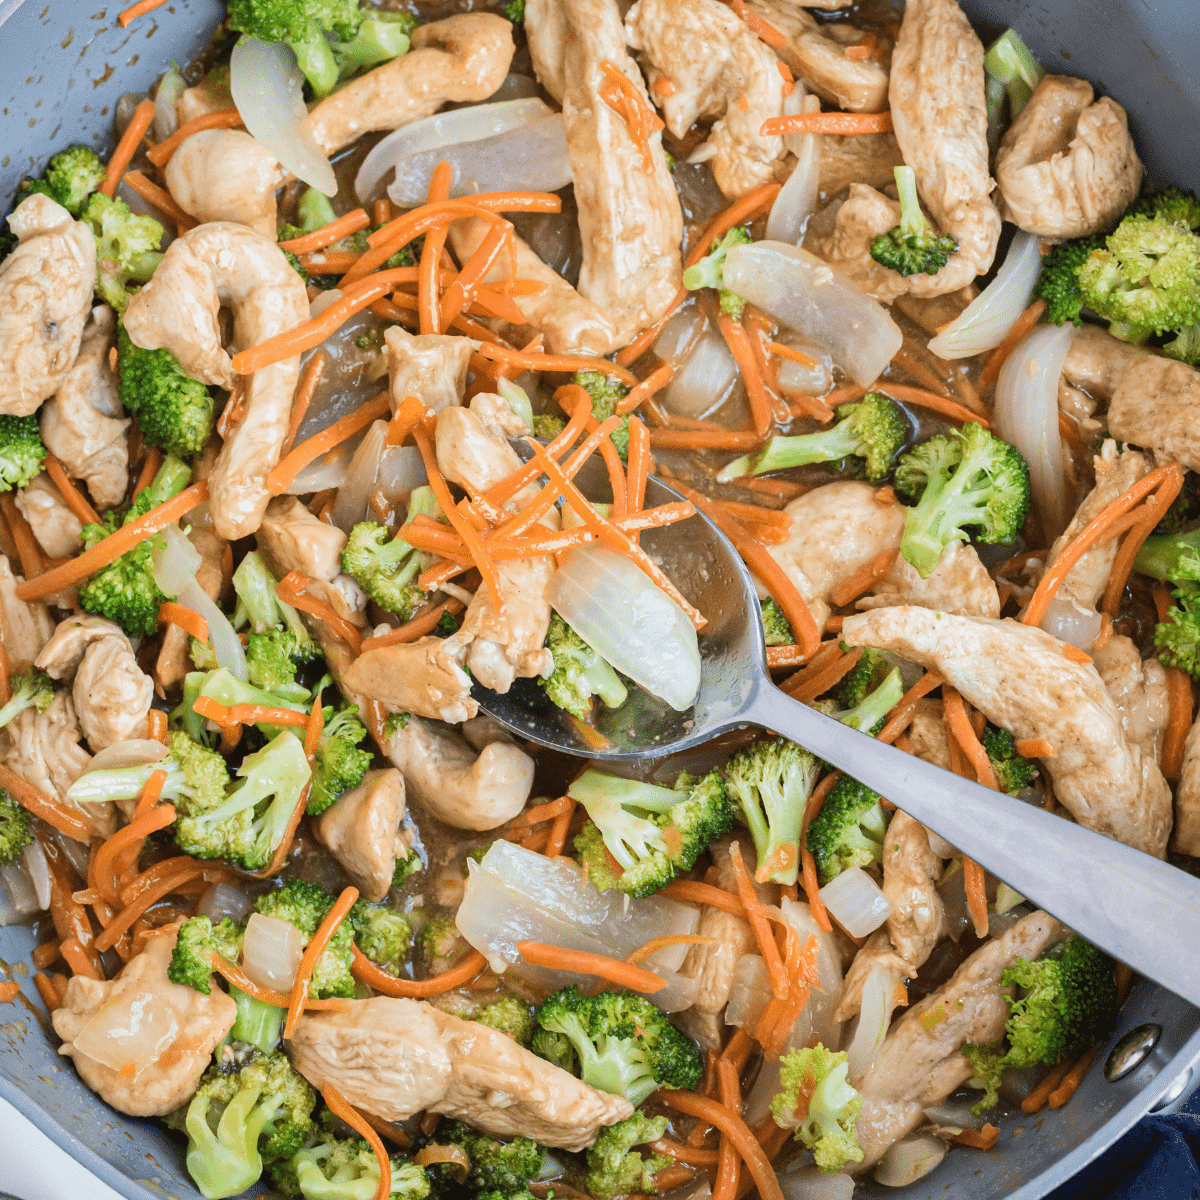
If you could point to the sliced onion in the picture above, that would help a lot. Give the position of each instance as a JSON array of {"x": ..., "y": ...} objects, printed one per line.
[
  {"x": 268, "y": 90},
  {"x": 350, "y": 507},
  {"x": 856, "y": 901},
  {"x": 709, "y": 373},
  {"x": 749, "y": 991},
  {"x": 329, "y": 471},
  {"x": 988, "y": 319},
  {"x": 797, "y": 199},
  {"x": 130, "y": 1031},
  {"x": 818, "y": 1012},
  {"x": 811, "y": 298},
  {"x": 814, "y": 380},
  {"x": 910, "y": 1159},
  {"x": 1069, "y": 621},
  {"x": 271, "y": 952},
  {"x": 166, "y": 118},
  {"x": 810, "y": 1183},
  {"x": 135, "y": 752},
  {"x": 18, "y": 898},
  {"x": 400, "y": 471},
  {"x": 224, "y": 900},
  {"x": 956, "y": 1113},
  {"x": 443, "y": 130},
  {"x": 630, "y": 621},
  {"x": 34, "y": 858},
  {"x": 1027, "y": 416},
  {"x": 878, "y": 1000}
]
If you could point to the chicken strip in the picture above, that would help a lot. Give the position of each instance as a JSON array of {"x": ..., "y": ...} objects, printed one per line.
[
  {"x": 423, "y": 677},
  {"x": 1185, "y": 837},
  {"x": 918, "y": 1065},
  {"x": 430, "y": 366},
  {"x": 1157, "y": 407},
  {"x": 911, "y": 871},
  {"x": 45, "y": 296},
  {"x": 226, "y": 175},
  {"x": 629, "y": 216},
  {"x": 1066, "y": 167},
  {"x": 705, "y": 61},
  {"x": 960, "y": 584},
  {"x": 54, "y": 525},
  {"x": 210, "y": 95},
  {"x": 569, "y": 323},
  {"x": 43, "y": 748},
  {"x": 1097, "y": 362},
  {"x": 181, "y": 1025},
  {"x": 24, "y": 628},
  {"x": 1138, "y": 688},
  {"x": 83, "y": 423},
  {"x": 927, "y": 734},
  {"x": 940, "y": 117},
  {"x": 362, "y": 830},
  {"x": 1019, "y": 678},
  {"x": 877, "y": 951},
  {"x": 210, "y": 267}
]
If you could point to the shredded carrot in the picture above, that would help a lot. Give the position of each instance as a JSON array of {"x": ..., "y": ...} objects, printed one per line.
[
  {"x": 341, "y": 1107},
  {"x": 405, "y": 420},
  {"x": 490, "y": 202},
  {"x": 161, "y": 199},
  {"x": 227, "y": 118},
  {"x": 375, "y": 977},
  {"x": 53, "y": 811},
  {"x": 71, "y": 922},
  {"x": 737, "y": 1051},
  {"x": 154, "y": 460},
  {"x": 418, "y": 627},
  {"x": 973, "y": 881},
  {"x": 44, "y": 955},
  {"x": 136, "y": 831},
  {"x": 959, "y": 727},
  {"x": 342, "y": 227},
  {"x": 537, "y": 815},
  {"x": 728, "y": 1167},
  {"x": 703, "y": 439},
  {"x": 247, "y": 714},
  {"x": 78, "y": 960},
  {"x": 313, "y": 370},
  {"x": 156, "y": 725},
  {"x": 129, "y": 15},
  {"x": 821, "y": 680},
  {"x": 640, "y": 466},
  {"x": 46, "y": 989},
  {"x": 1179, "y": 721},
  {"x": 562, "y": 363},
  {"x": 28, "y": 550},
  {"x": 583, "y": 962},
  {"x": 558, "y": 837},
  {"x": 732, "y": 1125},
  {"x": 863, "y": 51},
  {"x": 812, "y": 889},
  {"x": 172, "y": 613},
  {"x": 681, "y": 1153},
  {"x": 70, "y": 493},
  {"x": 764, "y": 31},
  {"x": 900, "y": 718},
  {"x": 840, "y": 123},
  {"x": 759, "y": 330},
  {"x": 164, "y": 887},
  {"x": 431, "y": 254},
  {"x": 1152, "y": 512},
  {"x": 932, "y": 401},
  {"x": 281, "y": 476},
  {"x": 126, "y": 148},
  {"x": 1074, "y": 654},
  {"x": 865, "y": 577},
  {"x": 1096, "y": 530},
  {"x": 308, "y": 960},
  {"x": 785, "y": 656},
  {"x": 1033, "y": 748},
  {"x": 9, "y": 991},
  {"x": 918, "y": 370},
  {"x": 792, "y": 354},
  {"x": 1073, "y": 1078},
  {"x": 112, "y": 547},
  {"x": 292, "y": 589},
  {"x": 1036, "y": 1100},
  {"x": 625, "y": 99},
  {"x": 641, "y": 392},
  {"x": 654, "y": 945},
  {"x": 758, "y": 923},
  {"x": 739, "y": 343},
  {"x": 692, "y": 891},
  {"x": 1024, "y": 323},
  {"x": 979, "y": 1139},
  {"x": 461, "y": 292}
]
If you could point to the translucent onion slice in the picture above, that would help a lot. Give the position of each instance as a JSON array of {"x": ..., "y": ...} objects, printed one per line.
[
  {"x": 797, "y": 198},
  {"x": 166, "y": 117},
  {"x": 271, "y": 952},
  {"x": 34, "y": 859},
  {"x": 910, "y": 1159},
  {"x": 987, "y": 320},
  {"x": 400, "y": 470},
  {"x": 811, "y": 298},
  {"x": 750, "y": 991},
  {"x": 814, "y": 380},
  {"x": 444, "y": 130},
  {"x": 268, "y": 90},
  {"x": 629, "y": 621},
  {"x": 818, "y": 1012},
  {"x": 809, "y": 1183},
  {"x": 856, "y": 901},
  {"x": 708, "y": 374},
  {"x": 1027, "y": 416},
  {"x": 224, "y": 900},
  {"x": 1070, "y": 622},
  {"x": 135, "y": 752},
  {"x": 350, "y": 507},
  {"x": 878, "y": 1000}
]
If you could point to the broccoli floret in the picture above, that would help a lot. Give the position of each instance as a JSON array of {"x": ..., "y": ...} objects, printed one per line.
[
  {"x": 33, "y": 689},
  {"x": 174, "y": 411},
  {"x": 1058, "y": 284},
  {"x": 555, "y": 1048},
  {"x": 406, "y": 868},
  {"x": 607, "y": 392},
  {"x": 71, "y": 177},
  {"x": 305, "y": 905},
  {"x": 869, "y": 714},
  {"x": 816, "y": 1101},
  {"x": 874, "y": 429},
  {"x": 302, "y": 24},
  {"x": 579, "y": 673},
  {"x": 959, "y": 480},
  {"x": 16, "y": 829},
  {"x": 248, "y": 825},
  {"x": 1010, "y": 62},
  {"x": 261, "y": 608},
  {"x": 613, "y": 1167},
  {"x": 509, "y": 1015},
  {"x": 381, "y": 37},
  {"x": 257, "y": 1023},
  {"x": 222, "y": 686},
  {"x": 385, "y": 569},
  {"x": 1186, "y": 346},
  {"x": 382, "y": 934},
  {"x": 126, "y": 248},
  {"x": 775, "y": 624},
  {"x": 21, "y": 451},
  {"x": 710, "y": 271},
  {"x": 1146, "y": 280},
  {"x": 651, "y": 832},
  {"x": 547, "y": 427},
  {"x": 1012, "y": 771},
  {"x": 848, "y": 831},
  {"x": 1172, "y": 204},
  {"x": 197, "y": 941},
  {"x": 1174, "y": 557},
  {"x": 496, "y": 1166},
  {"x": 623, "y": 1044},
  {"x": 514, "y": 10},
  {"x": 867, "y": 674},
  {"x": 1059, "y": 1005},
  {"x": 271, "y": 661},
  {"x": 241, "y": 1117},
  {"x": 338, "y": 764},
  {"x": 912, "y": 247},
  {"x": 440, "y": 944},
  {"x": 336, "y": 1168},
  {"x": 771, "y": 782},
  {"x": 125, "y": 591}
]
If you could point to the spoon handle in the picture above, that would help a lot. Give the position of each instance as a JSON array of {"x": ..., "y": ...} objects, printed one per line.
[{"x": 1139, "y": 909}]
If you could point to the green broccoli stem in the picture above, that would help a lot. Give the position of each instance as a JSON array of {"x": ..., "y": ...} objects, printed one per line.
[
  {"x": 604, "y": 682},
  {"x": 316, "y": 59},
  {"x": 1161, "y": 554},
  {"x": 380, "y": 38},
  {"x": 912, "y": 219},
  {"x": 315, "y": 211},
  {"x": 1009, "y": 61},
  {"x": 875, "y": 708},
  {"x": 257, "y": 1023},
  {"x": 172, "y": 477},
  {"x": 780, "y": 453}
]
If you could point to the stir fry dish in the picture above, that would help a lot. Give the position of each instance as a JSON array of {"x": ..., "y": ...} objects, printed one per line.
[{"x": 334, "y": 388}]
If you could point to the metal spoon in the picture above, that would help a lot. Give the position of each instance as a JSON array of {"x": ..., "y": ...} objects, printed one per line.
[{"x": 1140, "y": 910}]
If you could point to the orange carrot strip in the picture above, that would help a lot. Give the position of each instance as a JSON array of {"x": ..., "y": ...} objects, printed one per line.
[
  {"x": 728, "y": 1166},
  {"x": 431, "y": 254},
  {"x": 77, "y": 959},
  {"x": 973, "y": 881},
  {"x": 901, "y": 716},
  {"x": 227, "y": 118},
  {"x": 704, "y": 439},
  {"x": 126, "y": 148},
  {"x": 313, "y": 951},
  {"x": 1179, "y": 699},
  {"x": 53, "y": 811},
  {"x": 692, "y": 891},
  {"x": 738, "y": 341},
  {"x": 864, "y": 578},
  {"x": 329, "y": 262},
  {"x": 979, "y": 1139},
  {"x": 759, "y": 328},
  {"x": 313, "y": 370},
  {"x": 247, "y": 714},
  {"x": 758, "y": 923},
  {"x": 812, "y": 888},
  {"x": 404, "y": 420},
  {"x": 292, "y": 589},
  {"x": 790, "y": 352},
  {"x": 621, "y": 95},
  {"x": 1033, "y": 748},
  {"x": 127, "y": 16},
  {"x": 418, "y": 627},
  {"x": 960, "y": 728},
  {"x": 863, "y": 50},
  {"x": 9, "y": 991},
  {"x": 161, "y": 199},
  {"x": 341, "y": 1107},
  {"x": 1024, "y": 323},
  {"x": 46, "y": 990},
  {"x": 932, "y": 401},
  {"x": 70, "y": 493},
  {"x": 820, "y": 681},
  {"x": 686, "y": 1154},
  {"x": 640, "y": 392},
  {"x": 172, "y": 613},
  {"x": 640, "y": 466},
  {"x": 537, "y": 815},
  {"x": 285, "y": 471},
  {"x": 840, "y": 123},
  {"x": 616, "y": 477},
  {"x": 28, "y": 550},
  {"x": 137, "y": 830},
  {"x": 785, "y": 656},
  {"x": 490, "y": 202},
  {"x": 583, "y": 962},
  {"x": 654, "y": 945},
  {"x": 44, "y": 955},
  {"x": 918, "y": 370},
  {"x": 1036, "y": 1100},
  {"x": 757, "y": 514},
  {"x": 1073, "y": 1078},
  {"x": 389, "y": 985},
  {"x": 1154, "y": 509},
  {"x": 561, "y": 363},
  {"x": 164, "y": 887},
  {"x": 113, "y": 546},
  {"x": 766, "y": 32},
  {"x": 335, "y": 231},
  {"x": 558, "y": 833},
  {"x": 460, "y": 293}
]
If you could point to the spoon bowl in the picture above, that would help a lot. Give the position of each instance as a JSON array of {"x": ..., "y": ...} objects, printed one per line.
[{"x": 1108, "y": 893}]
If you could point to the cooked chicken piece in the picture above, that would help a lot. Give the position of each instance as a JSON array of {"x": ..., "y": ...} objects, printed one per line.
[
  {"x": 296, "y": 540},
  {"x": 54, "y": 525},
  {"x": 859, "y": 220},
  {"x": 184, "y": 1027},
  {"x": 362, "y": 830},
  {"x": 464, "y": 788},
  {"x": 226, "y": 175},
  {"x": 836, "y": 530},
  {"x": 959, "y": 584},
  {"x": 869, "y": 158},
  {"x": 430, "y": 366},
  {"x": 569, "y": 323},
  {"x": 83, "y": 423},
  {"x": 1138, "y": 688},
  {"x": 210, "y": 267},
  {"x": 497, "y": 417},
  {"x": 422, "y": 677},
  {"x": 469, "y": 453},
  {"x": 1066, "y": 166},
  {"x": 819, "y": 59},
  {"x": 1080, "y": 407},
  {"x": 703, "y": 60},
  {"x": 174, "y": 660},
  {"x": 44, "y": 749},
  {"x": 460, "y": 60},
  {"x": 45, "y": 297},
  {"x": 927, "y": 734},
  {"x": 483, "y": 730},
  {"x": 918, "y": 1066},
  {"x": 1096, "y": 361},
  {"x": 877, "y": 951},
  {"x": 911, "y": 871},
  {"x": 1185, "y": 837},
  {"x": 629, "y": 218},
  {"x": 112, "y": 695},
  {"x": 1019, "y": 678},
  {"x": 208, "y": 96},
  {"x": 24, "y": 628},
  {"x": 938, "y": 109},
  {"x": 1157, "y": 407},
  {"x": 393, "y": 1058}
]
